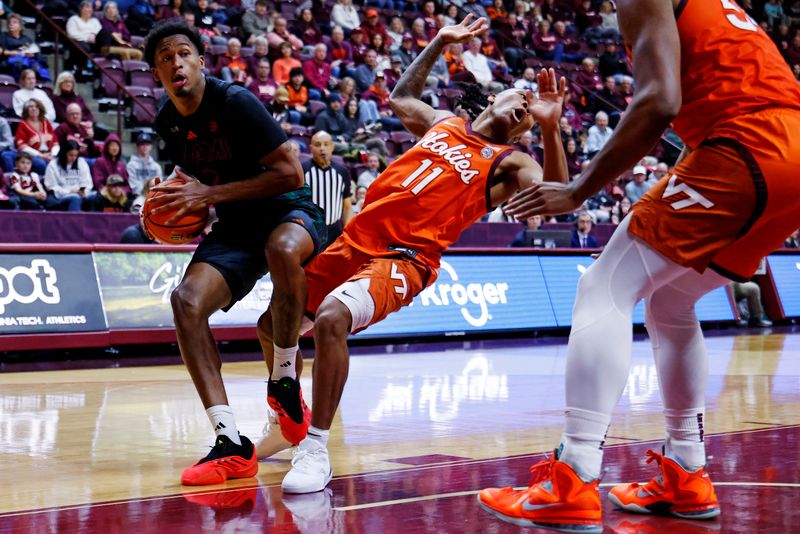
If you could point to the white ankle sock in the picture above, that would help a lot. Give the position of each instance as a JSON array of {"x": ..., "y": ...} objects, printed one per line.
[
  {"x": 319, "y": 436},
  {"x": 283, "y": 363},
  {"x": 221, "y": 417},
  {"x": 684, "y": 441},
  {"x": 582, "y": 442}
]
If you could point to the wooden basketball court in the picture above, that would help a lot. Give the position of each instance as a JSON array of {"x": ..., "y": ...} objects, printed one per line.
[{"x": 420, "y": 431}]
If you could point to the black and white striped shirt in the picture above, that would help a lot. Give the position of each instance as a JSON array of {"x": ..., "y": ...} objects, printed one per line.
[{"x": 329, "y": 187}]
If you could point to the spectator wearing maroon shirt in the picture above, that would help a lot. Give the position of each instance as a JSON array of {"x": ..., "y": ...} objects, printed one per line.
[
  {"x": 568, "y": 47},
  {"x": 586, "y": 17},
  {"x": 493, "y": 53},
  {"x": 626, "y": 90},
  {"x": 544, "y": 42},
  {"x": 78, "y": 130},
  {"x": 429, "y": 16},
  {"x": 307, "y": 28},
  {"x": 260, "y": 51},
  {"x": 554, "y": 10},
  {"x": 263, "y": 86},
  {"x": 420, "y": 35},
  {"x": 379, "y": 94},
  {"x": 587, "y": 81},
  {"x": 792, "y": 53},
  {"x": 111, "y": 162},
  {"x": 359, "y": 46},
  {"x": 340, "y": 55},
  {"x": 373, "y": 26},
  {"x": 317, "y": 72},
  {"x": 64, "y": 94},
  {"x": 394, "y": 73}
]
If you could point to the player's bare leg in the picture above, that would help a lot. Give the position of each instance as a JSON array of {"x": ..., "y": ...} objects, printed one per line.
[
  {"x": 331, "y": 361},
  {"x": 311, "y": 467},
  {"x": 203, "y": 291},
  {"x": 288, "y": 248}
]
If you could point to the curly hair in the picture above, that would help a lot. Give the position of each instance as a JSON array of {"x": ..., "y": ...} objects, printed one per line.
[
  {"x": 167, "y": 28},
  {"x": 474, "y": 100}
]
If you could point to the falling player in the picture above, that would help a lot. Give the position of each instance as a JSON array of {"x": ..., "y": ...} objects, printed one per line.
[
  {"x": 416, "y": 208},
  {"x": 709, "y": 69}
]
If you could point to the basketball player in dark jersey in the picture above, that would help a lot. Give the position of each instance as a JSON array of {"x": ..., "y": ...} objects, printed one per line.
[{"x": 235, "y": 156}]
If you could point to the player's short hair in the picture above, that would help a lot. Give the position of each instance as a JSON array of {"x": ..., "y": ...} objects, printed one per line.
[
  {"x": 167, "y": 28},
  {"x": 474, "y": 100},
  {"x": 23, "y": 155}
]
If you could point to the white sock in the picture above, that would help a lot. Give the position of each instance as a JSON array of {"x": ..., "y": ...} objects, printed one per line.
[
  {"x": 221, "y": 417},
  {"x": 582, "y": 442},
  {"x": 318, "y": 436},
  {"x": 684, "y": 441},
  {"x": 283, "y": 363}
]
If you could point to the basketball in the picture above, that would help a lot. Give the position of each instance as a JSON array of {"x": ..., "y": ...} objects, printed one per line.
[{"x": 178, "y": 232}]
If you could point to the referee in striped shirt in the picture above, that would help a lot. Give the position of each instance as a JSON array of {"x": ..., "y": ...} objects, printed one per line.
[{"x": 329, "y": 184}]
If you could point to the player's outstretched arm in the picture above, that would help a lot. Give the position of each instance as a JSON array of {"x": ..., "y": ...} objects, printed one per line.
[
  {"x": 547, "y": 112},
  {"x": 416, "y": 115},
  {"x": 649, "y": 27}
]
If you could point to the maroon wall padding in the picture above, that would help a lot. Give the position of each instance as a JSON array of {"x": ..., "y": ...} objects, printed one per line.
[
  {"x": 62, "y": 227},
  {"x": 499, "y": 235}
]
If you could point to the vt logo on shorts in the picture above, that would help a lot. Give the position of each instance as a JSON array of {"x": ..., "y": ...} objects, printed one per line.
[
  {"x": 694, "y": 196},
  {"x": 397, "y": 275}
]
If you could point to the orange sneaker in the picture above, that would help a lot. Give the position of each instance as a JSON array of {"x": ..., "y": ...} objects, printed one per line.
[
  {"x": 557, "y": 498},
  {"x": 673, "y": 491},
  {"x": 226, "y": 460},
  {"x": 286, "y": 398}
]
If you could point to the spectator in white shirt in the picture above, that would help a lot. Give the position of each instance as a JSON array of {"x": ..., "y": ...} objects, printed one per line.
[
  {"x": 372, "y": 171},
  {"x": 28, "y": 91},
  {"x": 141, "y": 166},
  {"x": 599, "y": 134},
  {"x": 83, "y": 28},
  {"x": 636, "y": 188},
  {"x": 477, "y": 64},
  {"x": 345, "y": 15},
  {"x": 528, "y": 81}
]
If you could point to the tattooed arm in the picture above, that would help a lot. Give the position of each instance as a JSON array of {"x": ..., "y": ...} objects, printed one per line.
[{"x": 416, "y": 115}]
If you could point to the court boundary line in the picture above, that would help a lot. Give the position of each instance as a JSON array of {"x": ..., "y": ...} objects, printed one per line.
[
  {"x": 378, "y": 472},
  {"x": 421, "y": 498}
]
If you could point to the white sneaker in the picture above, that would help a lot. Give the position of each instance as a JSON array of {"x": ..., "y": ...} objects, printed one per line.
[
  {"x": 311, "y": 469},
  {"x": 272, "y": 441}
]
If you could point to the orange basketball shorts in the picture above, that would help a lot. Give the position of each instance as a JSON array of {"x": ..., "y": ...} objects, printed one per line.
[
  {"x": 370, "y": 286},
  {"x": 730, "y": 202}
]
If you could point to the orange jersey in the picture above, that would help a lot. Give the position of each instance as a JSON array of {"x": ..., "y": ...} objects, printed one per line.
[
  {"x": 729, "y": 68},
  {"x": 430, "y": 194}
]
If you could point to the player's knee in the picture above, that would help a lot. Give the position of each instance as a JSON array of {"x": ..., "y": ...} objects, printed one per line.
[
  {"x": 264, "y": 327},
  {"x": 186, "y": 304},
  {"x": 330, "y": 324},
  {"x": 283, "y": 254}
]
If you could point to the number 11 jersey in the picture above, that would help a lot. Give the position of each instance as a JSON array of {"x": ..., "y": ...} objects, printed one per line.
[{"x": 430, "y": 194}]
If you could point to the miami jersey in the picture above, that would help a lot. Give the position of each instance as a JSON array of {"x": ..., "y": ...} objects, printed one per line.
[
  {"x": 729, "y": 68},
  {"x": 430, "y": 194}
]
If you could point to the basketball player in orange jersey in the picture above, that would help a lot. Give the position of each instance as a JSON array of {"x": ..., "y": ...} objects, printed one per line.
[
  {"x": 707, "y": 67},
  {"x": 418, "y": 206}
]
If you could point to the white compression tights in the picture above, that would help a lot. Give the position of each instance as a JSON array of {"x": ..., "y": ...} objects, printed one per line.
[{"x": 599, "y": 351}]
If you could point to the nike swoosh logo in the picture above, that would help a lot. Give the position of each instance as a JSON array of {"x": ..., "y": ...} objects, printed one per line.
[
  {"x": 346, "y": 294},
  {"x": 531, "y": 507},
  {"x": 643, "y": 494}
]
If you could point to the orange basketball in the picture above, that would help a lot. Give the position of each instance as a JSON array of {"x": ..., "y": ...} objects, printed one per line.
[{"x": 178, "y": 232}]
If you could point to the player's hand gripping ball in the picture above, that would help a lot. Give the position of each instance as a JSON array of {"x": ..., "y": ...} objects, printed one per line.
[{"x": 178, "y": 232}]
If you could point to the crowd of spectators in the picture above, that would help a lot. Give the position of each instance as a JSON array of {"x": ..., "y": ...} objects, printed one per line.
[{"x": 330, "y": 65}]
